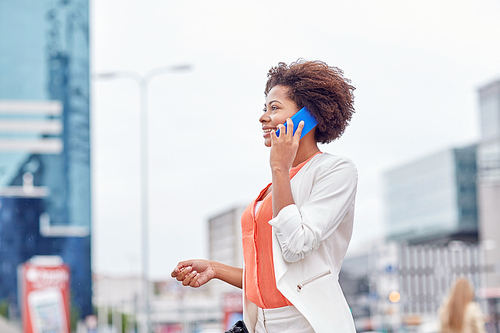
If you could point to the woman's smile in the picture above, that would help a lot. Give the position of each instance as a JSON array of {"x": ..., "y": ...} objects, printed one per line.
[{"x": 267, "y": 130}]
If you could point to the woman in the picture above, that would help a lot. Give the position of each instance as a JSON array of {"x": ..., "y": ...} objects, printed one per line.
[
  {"x": 459, "y": 314},
  {"x": 296, "y": 233}
]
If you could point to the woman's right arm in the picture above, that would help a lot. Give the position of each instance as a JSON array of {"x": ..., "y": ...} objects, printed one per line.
[{"x": 197, "y": 272}]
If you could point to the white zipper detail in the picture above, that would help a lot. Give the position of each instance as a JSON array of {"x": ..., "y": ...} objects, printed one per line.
[{"x": 301, "y": 285}]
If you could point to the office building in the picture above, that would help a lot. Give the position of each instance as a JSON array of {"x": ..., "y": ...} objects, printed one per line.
[
  {"x": 433, "y": 199},
  {"x": 489, "y": 109},
  {"x": 224, "y": 242},
  {"x": 488, "y": 184},
  {"x": 44, "y": 142},
  {"x": 354, "y": 281},
  {"x": 225, "y": 246},
  {"x": 435, "y": 208},
  {"x": 396, "y": 284}
]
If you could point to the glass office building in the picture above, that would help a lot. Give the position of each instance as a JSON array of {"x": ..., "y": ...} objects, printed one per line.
[
  {"x": 44, "y": 141},
  {"x": 433, "y": 199}
]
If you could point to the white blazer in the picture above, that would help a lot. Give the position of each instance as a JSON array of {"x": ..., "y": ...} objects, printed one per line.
[{"x": 310, "y": 239}]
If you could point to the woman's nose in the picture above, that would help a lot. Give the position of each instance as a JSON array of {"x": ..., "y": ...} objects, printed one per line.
[{"x": 264, "y": 118}]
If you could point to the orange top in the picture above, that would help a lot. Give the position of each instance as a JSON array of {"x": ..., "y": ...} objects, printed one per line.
[{"x": 260, "y": 283}]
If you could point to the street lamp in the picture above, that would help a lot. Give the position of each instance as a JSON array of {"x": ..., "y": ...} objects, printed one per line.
[{"x": 143, "y": 83}]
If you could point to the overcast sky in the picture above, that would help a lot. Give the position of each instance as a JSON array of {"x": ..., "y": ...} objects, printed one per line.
[{"x": 416, "y": 66}]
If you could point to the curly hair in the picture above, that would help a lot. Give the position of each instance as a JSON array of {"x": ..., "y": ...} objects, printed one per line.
[{"x": 322, "y": 89}]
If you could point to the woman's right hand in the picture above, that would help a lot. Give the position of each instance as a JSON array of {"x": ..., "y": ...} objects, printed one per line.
[{"x": 194, "y": 273}]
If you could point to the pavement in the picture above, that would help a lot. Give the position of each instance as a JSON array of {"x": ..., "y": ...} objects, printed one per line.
[{"x": 8, "y": 327}]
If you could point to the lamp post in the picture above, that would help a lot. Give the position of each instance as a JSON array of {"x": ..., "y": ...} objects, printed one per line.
[{"x": 143, "y": 84}]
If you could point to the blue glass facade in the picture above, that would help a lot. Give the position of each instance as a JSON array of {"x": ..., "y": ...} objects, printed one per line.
[
  {"x": 44, "y": 140},
  {"x": 434, "y": 198}
]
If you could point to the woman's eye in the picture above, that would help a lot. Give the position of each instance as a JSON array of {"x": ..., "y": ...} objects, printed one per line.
[{"x": 273, "y": 108}]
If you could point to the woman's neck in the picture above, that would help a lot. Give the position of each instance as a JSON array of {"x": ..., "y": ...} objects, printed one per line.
[{"x": 306, "y": 149}]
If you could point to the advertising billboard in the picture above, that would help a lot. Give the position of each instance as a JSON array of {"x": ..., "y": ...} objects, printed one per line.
[{"x": 44, "y": 291}]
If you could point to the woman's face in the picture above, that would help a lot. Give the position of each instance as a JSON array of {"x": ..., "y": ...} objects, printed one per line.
[{"x": 277, "y": 109}]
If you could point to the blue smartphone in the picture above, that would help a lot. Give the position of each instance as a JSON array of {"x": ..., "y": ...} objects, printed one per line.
[{"x": 309, "y": 121}]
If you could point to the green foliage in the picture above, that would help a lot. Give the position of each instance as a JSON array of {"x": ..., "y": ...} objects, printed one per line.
[
  {"x": 127, "y": 321},
  {"x": 74, "y": 317},
  {"x": 4, "y": 308}
]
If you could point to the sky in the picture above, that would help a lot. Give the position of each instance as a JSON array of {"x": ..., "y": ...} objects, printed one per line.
[{"x": 416, "y": 66}]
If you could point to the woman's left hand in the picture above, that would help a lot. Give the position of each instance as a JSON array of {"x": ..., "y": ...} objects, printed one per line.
[{"x": 284, "y": 148}]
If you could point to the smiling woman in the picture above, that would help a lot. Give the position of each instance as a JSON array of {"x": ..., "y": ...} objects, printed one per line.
[{"x": 296, "y": 232}]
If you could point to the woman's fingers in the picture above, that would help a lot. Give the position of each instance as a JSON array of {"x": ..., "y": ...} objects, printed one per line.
[
  {"x": 194, "y": 280},
  {"x": 298, "y": 132},
  {"x": 189, "y": 277},
  {"x": 181, "y": 266},
  {"x": 176, "y": 272},
  {"x": 286, "y": 129},
  {"x": 289, "y": 127},
  {"x": 285, "y": 132},
  {"x": 183, "y": 272},
  {"x": 193, "y": 272},
  {"x": 282, "y": 129}
]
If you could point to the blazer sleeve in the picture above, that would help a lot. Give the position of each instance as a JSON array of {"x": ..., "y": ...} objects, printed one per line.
[{"x": 301, "y": 230}]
